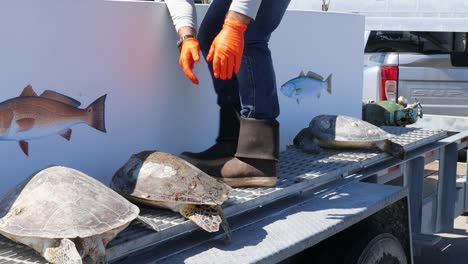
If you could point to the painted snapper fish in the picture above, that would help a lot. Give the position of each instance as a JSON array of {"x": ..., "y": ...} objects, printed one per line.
[
  {"x": 30, "y": 116},
  {"x": 305, "y": 85}
]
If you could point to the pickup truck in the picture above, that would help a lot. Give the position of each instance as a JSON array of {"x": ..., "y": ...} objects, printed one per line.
[{"x": 430, "y": 67}]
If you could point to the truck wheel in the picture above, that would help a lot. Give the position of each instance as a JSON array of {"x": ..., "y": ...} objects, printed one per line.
[{"x": 381, "y": 249}]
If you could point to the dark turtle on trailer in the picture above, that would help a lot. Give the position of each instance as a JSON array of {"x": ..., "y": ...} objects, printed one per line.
[{"x": 338, "y": 132}]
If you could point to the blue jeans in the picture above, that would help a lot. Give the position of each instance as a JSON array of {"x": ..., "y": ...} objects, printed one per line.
[{"x": 253, "y": 89}]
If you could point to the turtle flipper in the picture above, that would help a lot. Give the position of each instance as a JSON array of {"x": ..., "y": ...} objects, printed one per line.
[
  {"x": 206, "y": 216},
  {"x": 96, "y": 250},
  {"x": 305, "y": 141},
  {"x": 64, "y": 253},
  {"x": 394, "y": 149},
  {"x": 224, "y": 222}
]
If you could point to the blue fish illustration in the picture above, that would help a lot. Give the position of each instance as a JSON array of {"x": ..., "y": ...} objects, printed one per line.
[{"x": 310, "y": 84}]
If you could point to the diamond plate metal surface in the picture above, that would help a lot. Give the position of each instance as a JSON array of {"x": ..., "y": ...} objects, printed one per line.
[
  {"x": 273, "y": 239},
  {"x": 349, "y": 161},
  {"x": 11, "y": 252},
  {"x": 297, "y": 171}
]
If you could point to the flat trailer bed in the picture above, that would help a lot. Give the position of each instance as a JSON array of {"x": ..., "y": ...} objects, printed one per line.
[{"x": 317, "y": 196}]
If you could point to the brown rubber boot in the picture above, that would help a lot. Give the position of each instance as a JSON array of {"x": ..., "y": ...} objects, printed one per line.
[
  {"x": 256, "y": 157},
  {"x": 226, "y": 142}
]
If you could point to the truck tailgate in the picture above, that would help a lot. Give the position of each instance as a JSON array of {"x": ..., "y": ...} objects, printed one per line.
[{"x": 441, "y": 88}]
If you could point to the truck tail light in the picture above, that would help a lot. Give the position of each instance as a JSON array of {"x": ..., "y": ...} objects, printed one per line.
[
  {"x": 389, "y": 170},
  {"x": 462, "y": 140},
  {"x": 429, "y": 154},
  {"x": 389, "y": 83},
  {"x": 394, "y": 168}
]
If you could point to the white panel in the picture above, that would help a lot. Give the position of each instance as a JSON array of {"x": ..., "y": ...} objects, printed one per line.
[
  {"x": 86, "y": 48},
  {"x": 322, "y": 48},
  {"x": 449, "y": 6}
]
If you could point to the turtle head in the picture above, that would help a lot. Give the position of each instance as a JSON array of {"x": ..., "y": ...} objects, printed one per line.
[
  {"x": 219, "y": 192},
  {"x": 225, "y": 195}
]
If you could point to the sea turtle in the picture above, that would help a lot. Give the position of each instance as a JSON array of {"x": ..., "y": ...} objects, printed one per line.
[
  {"x": 65, "y": 215},
  {"x": 161, "y": 179},
  {"x": 338, "y": 131}
]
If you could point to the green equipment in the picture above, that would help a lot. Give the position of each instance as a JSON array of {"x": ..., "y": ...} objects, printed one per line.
[{"x": 389, "y": 113}]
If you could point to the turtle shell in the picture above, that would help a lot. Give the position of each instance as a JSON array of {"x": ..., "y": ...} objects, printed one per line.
[
  {"x": 163, "y": 177},
  {"x": 60, "y": 202},
  {"x": 346, "y": 129}
]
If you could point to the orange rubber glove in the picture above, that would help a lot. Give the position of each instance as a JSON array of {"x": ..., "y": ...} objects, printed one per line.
[
  {"x": 227, "y": 48},
  {"x": 189, "y": 54}
]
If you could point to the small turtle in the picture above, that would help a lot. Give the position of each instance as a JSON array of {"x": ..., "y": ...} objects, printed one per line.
[
  {"x": 338, "y": 131},
  {"x": 160, "y": 179},
  {"x": 64, "y": 215}
]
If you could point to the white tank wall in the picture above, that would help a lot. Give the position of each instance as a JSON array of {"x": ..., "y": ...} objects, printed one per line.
[
  {"x": 450, "y": 6},
  {"x": 87, "y": 48}
]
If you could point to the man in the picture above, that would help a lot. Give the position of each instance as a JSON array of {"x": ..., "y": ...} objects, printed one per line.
[{"x": 234, "y": 37}]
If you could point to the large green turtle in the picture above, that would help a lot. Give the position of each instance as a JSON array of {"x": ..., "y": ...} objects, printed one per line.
[
  {"x": 338, "y": 131},
  {"x": 164, "y": 180},
  {"x": 64, "y": 215}
]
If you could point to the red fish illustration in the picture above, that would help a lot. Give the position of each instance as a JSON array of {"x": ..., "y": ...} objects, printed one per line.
[{"x": 30, "y": 116}]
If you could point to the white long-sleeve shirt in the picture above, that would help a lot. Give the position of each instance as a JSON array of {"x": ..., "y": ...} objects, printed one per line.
[{"x": 183, "y": 11}]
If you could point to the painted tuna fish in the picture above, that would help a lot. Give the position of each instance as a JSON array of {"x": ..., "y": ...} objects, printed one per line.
[
  {"x": 306, "y": 85},
  {"x": 30, "y": 116}
]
